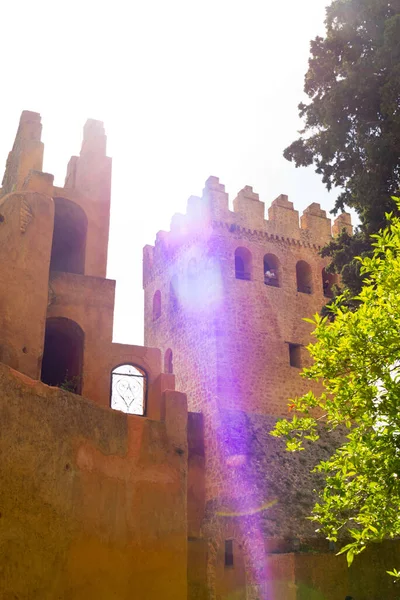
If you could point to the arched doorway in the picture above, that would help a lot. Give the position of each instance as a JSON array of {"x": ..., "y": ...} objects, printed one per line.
[
  {"x": 69, "y": 237},
  {"x": 243, "y": 263},
  {"x": 63, "y": 354},
  {"x": 303, "y": 277}
]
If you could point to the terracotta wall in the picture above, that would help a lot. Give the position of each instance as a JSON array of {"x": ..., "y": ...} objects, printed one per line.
[
  {"x": 92, "y": 501},
  {"x": 327, "y": 577},
  {"x": 26, "y": 229}
]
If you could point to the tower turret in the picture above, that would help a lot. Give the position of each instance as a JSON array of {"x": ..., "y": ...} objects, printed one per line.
[{"x": 26, "y": 153}]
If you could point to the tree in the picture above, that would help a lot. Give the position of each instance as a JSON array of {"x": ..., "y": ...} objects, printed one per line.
[
  {"x": 357, "y": 359},
  {"x": 352, "y": 122}
]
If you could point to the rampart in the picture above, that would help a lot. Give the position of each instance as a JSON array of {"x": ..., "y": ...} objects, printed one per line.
[
  {"x": 211, "y": 211},
  {"x": 93, "y": 501}
]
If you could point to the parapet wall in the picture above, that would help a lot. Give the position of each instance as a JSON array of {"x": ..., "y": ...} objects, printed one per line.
[
  {"x": 93, "y": 501},
  {"x": 312, "y": 228}
]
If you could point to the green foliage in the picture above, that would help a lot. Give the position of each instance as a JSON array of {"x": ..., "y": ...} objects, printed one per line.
[
  {"x": 352, "y": 122},
  {"x": 70, "y": 384},
  {"x": 357, "y": 359}
]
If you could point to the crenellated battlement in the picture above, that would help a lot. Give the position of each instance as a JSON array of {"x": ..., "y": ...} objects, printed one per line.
[{"x": 211, "y": 211}]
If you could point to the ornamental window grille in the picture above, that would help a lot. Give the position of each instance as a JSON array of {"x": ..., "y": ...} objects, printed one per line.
[{"x": 128, "y": 390}]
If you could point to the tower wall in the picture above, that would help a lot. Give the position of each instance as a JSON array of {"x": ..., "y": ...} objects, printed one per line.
[
  {"x": 226, "y": 292},
  {"x": 232, "y": 335}
]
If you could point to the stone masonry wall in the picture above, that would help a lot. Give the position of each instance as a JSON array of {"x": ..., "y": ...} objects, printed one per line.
[{"x": 230, "y": 337}]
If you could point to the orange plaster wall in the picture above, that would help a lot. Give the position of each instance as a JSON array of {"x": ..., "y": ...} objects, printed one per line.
[
  {"x": 26, "y": 231},
  {"x": 327, "y": 577},
  {"x": 93, "y": 502}
]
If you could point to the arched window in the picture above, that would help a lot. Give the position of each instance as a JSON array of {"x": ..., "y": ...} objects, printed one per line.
[
  {"x": 328, "y": 281},
  {"x": 242, "y": 263},
  {"x": 173, "y": 294},
  {"x": 168, "y": 364},
  {"x": 303, "y": 277},
  {"x": 128, "y": 389},
  {"x": 157, "y": 305},
  {"x": 69, "y": 237},
  {"x": 63, "y": 354},
  {"x": 271, "y": 270}
]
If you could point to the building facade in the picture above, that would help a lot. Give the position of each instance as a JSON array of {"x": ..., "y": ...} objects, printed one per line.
[
  {"x": 92, "y": 500},
  {"x": 226, "y": 294},
  {"x": 109, "y": 487}
]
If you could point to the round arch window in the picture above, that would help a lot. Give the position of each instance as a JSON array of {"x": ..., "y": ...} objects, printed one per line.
[{"x": 128, "y": 389}]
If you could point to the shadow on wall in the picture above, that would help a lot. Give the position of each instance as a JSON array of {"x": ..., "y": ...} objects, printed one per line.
[
  {"x": 69, "y": 237},
  {"x": 63, "y": 354}
]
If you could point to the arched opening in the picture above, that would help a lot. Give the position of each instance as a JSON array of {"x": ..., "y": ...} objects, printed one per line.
[
  {"x": 173, "y": 294},
  {"x": 128, "y": 389},
  {"x": 303, "y": 277},
  {"x": 168, "y": 362},
  {"x": 243, "y": 264},
  {"x": 69, "y": 237},
  {"x": 63, "y": 354},
  {"x": 328, "y": 281},
  {"x": 157, "y": 305},
  {"x": 271, "y": 270}
]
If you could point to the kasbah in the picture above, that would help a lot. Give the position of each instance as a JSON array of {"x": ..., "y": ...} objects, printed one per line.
[{"x": 146, "y": 473}]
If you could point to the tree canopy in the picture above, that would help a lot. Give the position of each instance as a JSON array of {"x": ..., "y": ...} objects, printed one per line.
[
  {"x": 352, "y": 121},
  {"x": 357, "y": 360}
]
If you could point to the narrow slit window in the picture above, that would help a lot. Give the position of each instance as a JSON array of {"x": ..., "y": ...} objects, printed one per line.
[
  {"x": 228, "y": 553},
  {"x": 173, "y": 294},
  {"x": 168, "y": 362},
  {"x": 295, "y": 355},
  {"x": 157, "y": 305}
]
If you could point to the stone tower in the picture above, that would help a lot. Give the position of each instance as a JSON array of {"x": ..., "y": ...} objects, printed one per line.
[
  {"x": 58, "y": 237},
  {"x": 225, "y": 294}
]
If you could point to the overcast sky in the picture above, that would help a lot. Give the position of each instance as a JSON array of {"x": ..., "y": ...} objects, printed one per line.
[{"x": 186, "y": 90}]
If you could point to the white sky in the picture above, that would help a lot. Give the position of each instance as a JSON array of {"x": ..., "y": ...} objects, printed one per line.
[{"x": 186, "y": 90}]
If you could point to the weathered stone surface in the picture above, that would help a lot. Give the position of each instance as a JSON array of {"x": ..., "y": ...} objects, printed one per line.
[{"x": 93, "y": 501}]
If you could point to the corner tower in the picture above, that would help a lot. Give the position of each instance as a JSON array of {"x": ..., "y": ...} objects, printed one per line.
[
  {"x": 225, "y": 296},
  {"x": 54, "y": 242},
  {"x": 225, "y": 293}
]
